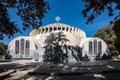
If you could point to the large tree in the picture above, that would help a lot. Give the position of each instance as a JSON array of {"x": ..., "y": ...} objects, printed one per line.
[
  {"x": 108, "y": 35},
  {"x": 94, "y": 8},
  {"x": 31, "y": 13},
  {"x": 116, "y": 28},
  {"x": 57, "y": 50}
]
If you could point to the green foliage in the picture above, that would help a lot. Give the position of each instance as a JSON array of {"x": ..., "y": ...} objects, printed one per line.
[
  {"x": 108, "y": 35},
  {"x": 3, "y": 48},
  {"x": 31, "y": 13},
  {"x": 53, "y": 49},
  {"x": 116, "y": 28},
  {"x": 94, "y": 8}
]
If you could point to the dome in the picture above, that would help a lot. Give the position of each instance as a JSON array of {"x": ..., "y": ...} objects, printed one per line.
[{"x": 58, "y": 27}]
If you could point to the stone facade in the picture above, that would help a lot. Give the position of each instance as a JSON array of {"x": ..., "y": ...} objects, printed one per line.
[{"x": 57, "y": 36}]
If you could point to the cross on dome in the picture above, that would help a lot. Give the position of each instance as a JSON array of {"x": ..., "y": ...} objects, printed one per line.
[{"x": 58, "y": 19}]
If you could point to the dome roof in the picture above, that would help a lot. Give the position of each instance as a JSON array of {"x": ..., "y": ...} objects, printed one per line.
[{"x": 58, "y": 27}]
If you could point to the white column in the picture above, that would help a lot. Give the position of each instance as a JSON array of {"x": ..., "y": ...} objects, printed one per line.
[
  {"x": 61, "y": 28},
  {"x": 52, "y": 28},
  {"x": 44, "y": 30},
  {"x": 65, "y": 28},
  {"x": 68, "y": 29},
  {"x": 72, "y": 30}
]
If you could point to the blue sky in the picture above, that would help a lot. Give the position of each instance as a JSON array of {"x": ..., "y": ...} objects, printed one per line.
[{"x": 70, "y": 13}]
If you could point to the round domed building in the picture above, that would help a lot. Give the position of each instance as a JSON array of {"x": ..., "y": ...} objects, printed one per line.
[{"x": 58, "y": 42}]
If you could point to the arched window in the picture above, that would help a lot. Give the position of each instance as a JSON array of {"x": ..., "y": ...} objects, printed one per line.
[
  {"x": 99, "y": 47},
  {"x": 63, "y": 28},
  {"x": 67, "y": 29},
  {"x": 22, "y": 46},
  {"x": 55, "y": 28},
  {"x": 95, "y": 46},
  {"x": 50, "y": 29},
  {"x": 43, "y": 30},
  {"x": 90, "y": 47},
  {"x": 17, "y": 46},
  {"x": 59, "y": 28},
  {"x": 46, "y": 29},
  {"x": 70, "y": 29},
  {"x": 27, "y": 47}
]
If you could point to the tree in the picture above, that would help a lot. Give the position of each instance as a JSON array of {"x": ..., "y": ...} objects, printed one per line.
[
  {"x": 116, "y": 28},
  {"x": 57, "y": 50},
  {"x": 108, "y": 35},
  {"x": 53, "y": 49},
  {"x": 3, "y": 48},
  {"x": 94, "y": 8},
  {"x": 31, "y": 13}
]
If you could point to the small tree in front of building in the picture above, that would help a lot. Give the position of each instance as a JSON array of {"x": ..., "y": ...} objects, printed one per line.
[{"x": 53, "y": 49}]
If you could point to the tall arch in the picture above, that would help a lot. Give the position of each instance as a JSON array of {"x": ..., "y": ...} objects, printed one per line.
[
  {"x": 50, "y": 29},
  {"x": 63, "y": 28},
  {"x": 46, "y": 30},
  {"x": 55, "y": 28},
  {"x": 17, "y": 46},
  {"x": 67, "y": 29},
  {"x": 22, "y": 41},
  {"x": 70, "y": 30},
  {"x": 27, "y": 47},
  {"x": 99, "y": 47},
  {"x": 59, "y": 28},
  {"x": 95, "y": 46},
  {"x": 90, "y": 47}
]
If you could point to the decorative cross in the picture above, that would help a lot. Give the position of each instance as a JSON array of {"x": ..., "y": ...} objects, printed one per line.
[{"x": 58, "y": 19}]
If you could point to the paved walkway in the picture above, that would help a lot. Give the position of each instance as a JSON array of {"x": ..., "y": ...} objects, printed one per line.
[
  {"x": 17, "y": 61},
  {"x": 34, "y": 70}
]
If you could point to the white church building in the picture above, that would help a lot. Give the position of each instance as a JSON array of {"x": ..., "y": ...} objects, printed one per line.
[{"x": 60, "y": 35}]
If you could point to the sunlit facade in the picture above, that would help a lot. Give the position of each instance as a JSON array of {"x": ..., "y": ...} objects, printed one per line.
[{"x": 28, "y": 46}]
